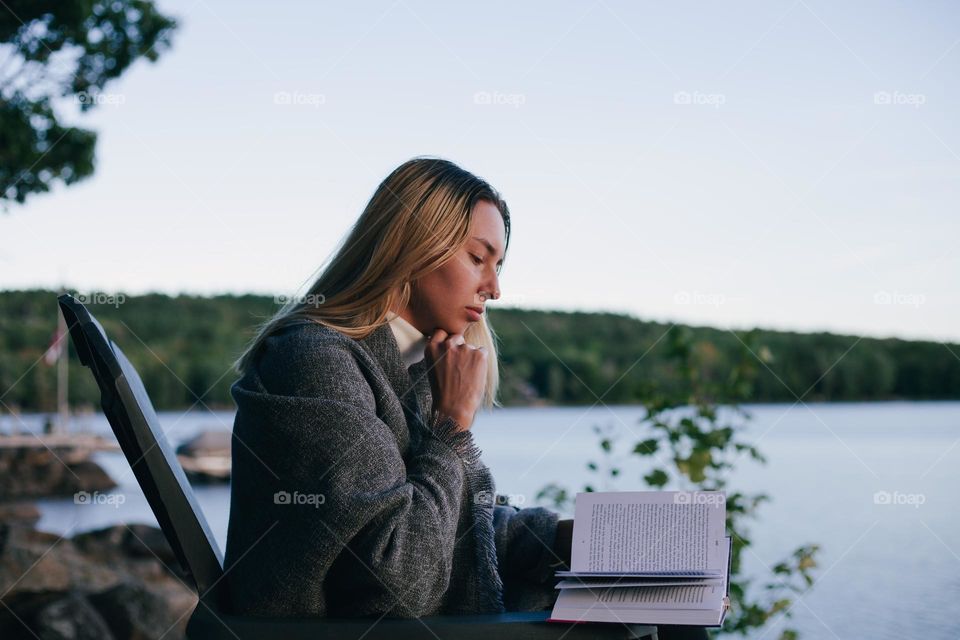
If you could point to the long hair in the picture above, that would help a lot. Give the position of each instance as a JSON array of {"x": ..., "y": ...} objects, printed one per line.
[{"x": 416, "y": 220}]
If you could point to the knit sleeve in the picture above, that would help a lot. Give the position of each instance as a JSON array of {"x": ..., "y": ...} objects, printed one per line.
[
  {"x": 524, "y": 539},
  {"x": 448, "y": 431},
  {"x": 525, "y": 556},
  {"x": 348, "y": 527}
]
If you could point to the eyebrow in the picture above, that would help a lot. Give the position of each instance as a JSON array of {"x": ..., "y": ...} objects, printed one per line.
[{"x": 489, "y": 247}]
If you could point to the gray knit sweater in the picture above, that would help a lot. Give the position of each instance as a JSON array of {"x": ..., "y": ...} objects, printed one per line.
[{"x": 347, "y": 501}]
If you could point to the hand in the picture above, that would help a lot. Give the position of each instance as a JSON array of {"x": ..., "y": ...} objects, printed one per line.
[{"x": 458, "y": 375}]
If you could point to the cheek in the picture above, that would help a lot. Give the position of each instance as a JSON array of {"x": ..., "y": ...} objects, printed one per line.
[
  {"x": 453, "y": 277},
  {"x": 446, "y": 285}
]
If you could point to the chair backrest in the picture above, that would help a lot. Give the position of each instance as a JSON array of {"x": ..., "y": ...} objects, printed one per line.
[{"x": 134, "y": 422}]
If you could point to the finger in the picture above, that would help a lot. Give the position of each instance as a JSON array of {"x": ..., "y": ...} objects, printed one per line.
[{"x": 438, "y": 336}]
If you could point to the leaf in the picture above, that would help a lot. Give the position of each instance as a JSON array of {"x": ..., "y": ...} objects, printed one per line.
[
  {"x": 646, "y": 447},
  {"x": 657, "y": 478},
  {"x": 694, "y": 466}
]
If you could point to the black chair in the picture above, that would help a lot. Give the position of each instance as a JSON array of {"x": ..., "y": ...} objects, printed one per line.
[{"x": 134, "y": 421}]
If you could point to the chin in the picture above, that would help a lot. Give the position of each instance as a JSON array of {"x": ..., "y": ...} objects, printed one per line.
[{"x": 458, "y": 326}]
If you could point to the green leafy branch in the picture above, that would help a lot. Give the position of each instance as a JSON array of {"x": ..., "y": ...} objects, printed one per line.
[{"x": 692, "y": 441}]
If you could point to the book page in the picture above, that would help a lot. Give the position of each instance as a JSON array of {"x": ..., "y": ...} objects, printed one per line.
[
  {"x": 653, "y": 532},
  {"x": 659, "y": 598},
  {"x": 580, "y": 583}
]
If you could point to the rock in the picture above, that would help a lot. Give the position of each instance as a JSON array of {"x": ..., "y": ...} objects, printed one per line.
[
  {"x": 87, "y": 476},
  {"x": 126, "y": 576},
  {"x": 36, "y": 471},
  {"x": 17, "y": 619},
  {"x": 135, "y": 613},
  {"x": 71, "y": 618},
  {"x": 29, "y": 563},
  {"x": 207, "y": 443},
  {"x": 24, "y": 514},
  {"x": 134, "y": 541},
  {"x": 206, "y": 457},
  {"x": 35, "y": 563}
]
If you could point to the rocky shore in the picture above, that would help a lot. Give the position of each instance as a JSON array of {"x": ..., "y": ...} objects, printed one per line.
[
  {"x": 120, "y": 582},
  {"x": 33, "y": 467},
  {"x": 117, "y": 583}
]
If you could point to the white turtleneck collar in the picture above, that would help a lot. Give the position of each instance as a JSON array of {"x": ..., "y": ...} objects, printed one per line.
[{"x": 409, "y": 339}]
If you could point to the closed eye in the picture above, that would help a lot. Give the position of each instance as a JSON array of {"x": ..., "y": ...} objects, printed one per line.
[{"x": 476, "y": 260}]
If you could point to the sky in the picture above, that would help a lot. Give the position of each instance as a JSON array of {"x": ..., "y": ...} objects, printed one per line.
[{"x": 790, "y": 165}]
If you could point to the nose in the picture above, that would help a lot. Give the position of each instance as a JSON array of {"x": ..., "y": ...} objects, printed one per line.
[{"x": 492, "y": 289}]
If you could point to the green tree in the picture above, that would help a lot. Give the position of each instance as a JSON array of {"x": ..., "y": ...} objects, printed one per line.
[
  {"x": 63, "y": 49},
  {"x": 181, "y": 337}
]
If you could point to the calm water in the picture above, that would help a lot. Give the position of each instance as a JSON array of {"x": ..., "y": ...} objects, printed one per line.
[{"x": 886, "y": 570}]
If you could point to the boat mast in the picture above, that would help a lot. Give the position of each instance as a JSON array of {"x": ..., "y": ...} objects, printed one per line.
[{"x": 63, "y": 408}]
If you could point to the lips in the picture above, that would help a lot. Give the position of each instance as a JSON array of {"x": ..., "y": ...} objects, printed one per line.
[{"x": 479, "y": 310}]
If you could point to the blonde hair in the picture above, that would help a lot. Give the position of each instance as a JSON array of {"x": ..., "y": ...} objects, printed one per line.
[{"x": 416, "y": 220}]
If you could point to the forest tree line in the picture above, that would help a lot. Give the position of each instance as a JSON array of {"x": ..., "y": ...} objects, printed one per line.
[{"x": 184, "y": 346}]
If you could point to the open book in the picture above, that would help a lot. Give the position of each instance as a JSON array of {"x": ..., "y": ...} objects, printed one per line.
[{"x": 651, "y": 557}]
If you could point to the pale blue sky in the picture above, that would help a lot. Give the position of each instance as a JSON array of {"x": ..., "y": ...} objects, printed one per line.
[{"x": 710, "y": 163}]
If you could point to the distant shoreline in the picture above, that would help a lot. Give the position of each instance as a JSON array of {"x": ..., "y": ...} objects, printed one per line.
[{"x": 184, "y": 348}]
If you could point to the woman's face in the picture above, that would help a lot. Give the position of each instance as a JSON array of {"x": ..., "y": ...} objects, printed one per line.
[{"x": 440, "y": 298}]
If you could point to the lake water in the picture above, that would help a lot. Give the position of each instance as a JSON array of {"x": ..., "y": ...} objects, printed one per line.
[{"x": 889, "y": 568}]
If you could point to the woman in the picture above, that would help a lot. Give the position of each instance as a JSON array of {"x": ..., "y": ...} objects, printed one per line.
[{"x": 358, "y": 489}]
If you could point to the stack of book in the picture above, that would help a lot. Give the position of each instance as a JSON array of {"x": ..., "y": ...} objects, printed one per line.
[{"x": 647, "y": 557}]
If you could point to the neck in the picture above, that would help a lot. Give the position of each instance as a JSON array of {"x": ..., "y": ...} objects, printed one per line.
[{"x": 408, "y": 316}]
